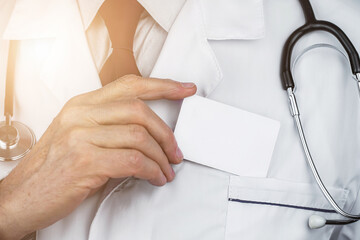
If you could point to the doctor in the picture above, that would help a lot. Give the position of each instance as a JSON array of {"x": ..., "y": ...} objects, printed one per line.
[{"x": 232, "y": 51}]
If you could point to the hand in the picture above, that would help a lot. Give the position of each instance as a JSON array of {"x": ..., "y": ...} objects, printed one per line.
[{"x": 107, "y": 133}]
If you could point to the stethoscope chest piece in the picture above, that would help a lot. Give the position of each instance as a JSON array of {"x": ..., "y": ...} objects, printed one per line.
[{"x": 16, "y": 141}]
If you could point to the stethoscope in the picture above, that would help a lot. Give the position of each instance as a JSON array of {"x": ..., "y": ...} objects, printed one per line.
[
  {"x": 312, "y": 25},
  {"x": 16, "y": 139}
]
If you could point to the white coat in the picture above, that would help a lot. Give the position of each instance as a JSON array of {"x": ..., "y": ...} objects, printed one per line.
[{"x": 232, "y": 51}]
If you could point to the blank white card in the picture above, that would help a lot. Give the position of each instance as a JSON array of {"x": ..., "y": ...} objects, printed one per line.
[{"x": 226, "y": 138}]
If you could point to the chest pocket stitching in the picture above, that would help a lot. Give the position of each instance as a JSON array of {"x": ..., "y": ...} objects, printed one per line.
[
  {"x": 281, "y": 193},
  {"x": 282, "y": 205}
]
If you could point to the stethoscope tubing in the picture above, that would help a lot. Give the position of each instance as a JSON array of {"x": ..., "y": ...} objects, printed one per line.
[
  {"x": 312, "y": 25},
  {"x": 9, "y": 86},
  {"x": 16, "y": 139},
  {"x": 330, "y": 199},
  {"x": 288, "y": 84},
  {"x": 286, "y": 75}
]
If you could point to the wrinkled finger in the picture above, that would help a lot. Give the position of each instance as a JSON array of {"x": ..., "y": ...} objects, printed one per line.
[
  {"x": 132, "y": 86},
  {"x": 118, "y": 163},
  {"x": 130, "y": 137},
  {"x": 137, "y": 112}
]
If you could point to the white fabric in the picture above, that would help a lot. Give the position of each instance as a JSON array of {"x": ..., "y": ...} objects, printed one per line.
[
  {"x": 243, "y": 73},
  {"x": 247, "y": 23},
  {"x": 164, "y": 12},
  {"x": 154, "y": 23},
  {"x": 148, "y": 42}
]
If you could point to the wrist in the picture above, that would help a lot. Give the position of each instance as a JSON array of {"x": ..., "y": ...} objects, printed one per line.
[
  {"x": 8, "y": 229},
  {"x": 4, "y": 233}
]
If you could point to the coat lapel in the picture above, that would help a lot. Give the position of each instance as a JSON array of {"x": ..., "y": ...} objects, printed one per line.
[
  {"x": 69, "y": 69},
  {"x": 187, "y": 55}
]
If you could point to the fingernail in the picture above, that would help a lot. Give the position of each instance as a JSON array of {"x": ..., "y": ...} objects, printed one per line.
[
  {"x": 179, "y": 154},
  {"x": 163, "y": 180},
  {"x": 188, "y": 85}
]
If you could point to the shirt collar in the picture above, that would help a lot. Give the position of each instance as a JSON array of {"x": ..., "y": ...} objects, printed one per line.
[
  {"x": 88, "y": 10},
  {"x": 42, "y": 18},
  {"x": 163, "y": 11}
]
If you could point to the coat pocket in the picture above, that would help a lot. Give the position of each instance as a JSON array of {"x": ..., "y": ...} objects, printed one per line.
[{"x": 265, "y": 208}]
